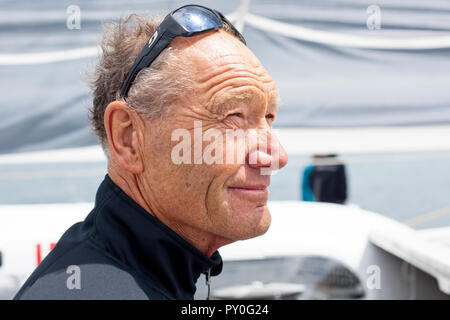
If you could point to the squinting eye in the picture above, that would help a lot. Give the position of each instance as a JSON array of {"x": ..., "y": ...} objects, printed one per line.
[
  {"x": 270, "y": 116},
  {"x": 236, "y": 114}
]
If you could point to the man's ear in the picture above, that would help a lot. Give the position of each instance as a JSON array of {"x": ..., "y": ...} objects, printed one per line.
[{"x": 121, "y": 126}]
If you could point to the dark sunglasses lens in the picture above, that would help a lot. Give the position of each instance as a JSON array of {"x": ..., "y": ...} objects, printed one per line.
[{"x": 195, "y": 19}]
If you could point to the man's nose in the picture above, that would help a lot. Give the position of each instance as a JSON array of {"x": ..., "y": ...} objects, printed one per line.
[{"x": 265, "y": 150}]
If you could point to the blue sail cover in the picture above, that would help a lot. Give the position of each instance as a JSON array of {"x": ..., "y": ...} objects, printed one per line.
[{"x": 44, "y": 104}]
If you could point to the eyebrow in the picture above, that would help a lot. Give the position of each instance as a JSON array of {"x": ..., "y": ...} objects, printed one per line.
[
  {"x": 223, "y": 103},
  {"x": 226, "y": 102}
]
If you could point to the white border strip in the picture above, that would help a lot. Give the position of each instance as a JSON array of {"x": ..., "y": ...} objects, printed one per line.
[
  {"x": 82, "y": 154},
  {"x": 48, "y": 57},
  {"x": 427, "y": 142}
]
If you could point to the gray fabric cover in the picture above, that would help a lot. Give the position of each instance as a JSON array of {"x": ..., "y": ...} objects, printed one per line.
[{"x": 44, "y": 106}]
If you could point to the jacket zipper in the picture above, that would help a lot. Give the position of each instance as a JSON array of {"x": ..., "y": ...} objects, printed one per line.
[{"x": 208, "y": 282}]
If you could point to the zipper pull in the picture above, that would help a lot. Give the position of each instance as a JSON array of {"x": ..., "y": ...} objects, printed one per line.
[{"x": 208, "y": 282}]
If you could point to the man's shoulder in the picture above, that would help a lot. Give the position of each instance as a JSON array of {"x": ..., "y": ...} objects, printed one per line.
[
  {"x": 77, "y": 268},
  {"x": 84, "y": 281},
  {"x": 84, "y": 273}
]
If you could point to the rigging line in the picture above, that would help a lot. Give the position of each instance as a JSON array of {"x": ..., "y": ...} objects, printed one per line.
[
  {"x": 346, "y": 40},
  {"x": 285, "y": 29},
  {"x": 428, "y": 217},
  {"x": 48, "y": 57},
  {"x": 240, "y": 15},
  {"x": 56, "y": 174}
]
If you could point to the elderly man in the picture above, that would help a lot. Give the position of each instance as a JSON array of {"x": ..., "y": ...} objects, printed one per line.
[{"x": 157, "y": 221}]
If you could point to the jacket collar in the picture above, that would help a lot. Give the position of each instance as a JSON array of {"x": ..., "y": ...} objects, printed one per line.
[{"x": 148, "y": 246}]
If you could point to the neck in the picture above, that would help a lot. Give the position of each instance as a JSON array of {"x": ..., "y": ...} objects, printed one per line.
[{"x": 207, "y": 243}]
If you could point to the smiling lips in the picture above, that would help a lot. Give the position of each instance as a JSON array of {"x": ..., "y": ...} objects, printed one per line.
[{"x": 251, "y": 192}]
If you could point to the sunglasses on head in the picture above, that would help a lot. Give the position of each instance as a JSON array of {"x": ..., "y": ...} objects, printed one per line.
[{"x": 185, "y": 21}]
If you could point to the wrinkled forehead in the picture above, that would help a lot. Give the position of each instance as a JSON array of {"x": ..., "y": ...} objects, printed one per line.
[{"x": 217, "y": 60}]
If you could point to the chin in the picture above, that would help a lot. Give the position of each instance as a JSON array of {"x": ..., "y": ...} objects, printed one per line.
[
  {"x": 256, "y": 224},
  {"x": 264, "y": 224}
]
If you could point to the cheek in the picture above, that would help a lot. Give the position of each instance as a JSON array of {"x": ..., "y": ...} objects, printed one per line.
[
  {"x": 220, "y": 202},
  {"x": 197, "y": 190},
  {"x": 217, "y": 176},
  {"x": 235, "y": 148},
  {"x": 200, "y": 196}
]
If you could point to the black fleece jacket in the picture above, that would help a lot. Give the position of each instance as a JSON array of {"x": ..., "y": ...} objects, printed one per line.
[{"x": 119, "y": 251}]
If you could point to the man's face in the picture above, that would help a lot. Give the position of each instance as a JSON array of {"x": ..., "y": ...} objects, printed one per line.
[{"x": 231, "y": 91}]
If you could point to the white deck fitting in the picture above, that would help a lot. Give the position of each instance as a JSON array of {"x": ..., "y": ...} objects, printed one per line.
[{"x": 426, "y": 250}]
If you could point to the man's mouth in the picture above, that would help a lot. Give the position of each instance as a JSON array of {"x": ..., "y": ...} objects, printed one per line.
[{"x": 257, "y": 192}]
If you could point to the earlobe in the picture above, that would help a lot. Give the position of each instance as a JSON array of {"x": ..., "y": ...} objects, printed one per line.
[{"x": 121, "y": 130}]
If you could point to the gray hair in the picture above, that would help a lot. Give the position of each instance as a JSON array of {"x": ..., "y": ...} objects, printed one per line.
[{"x": 154, "y": 89}]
